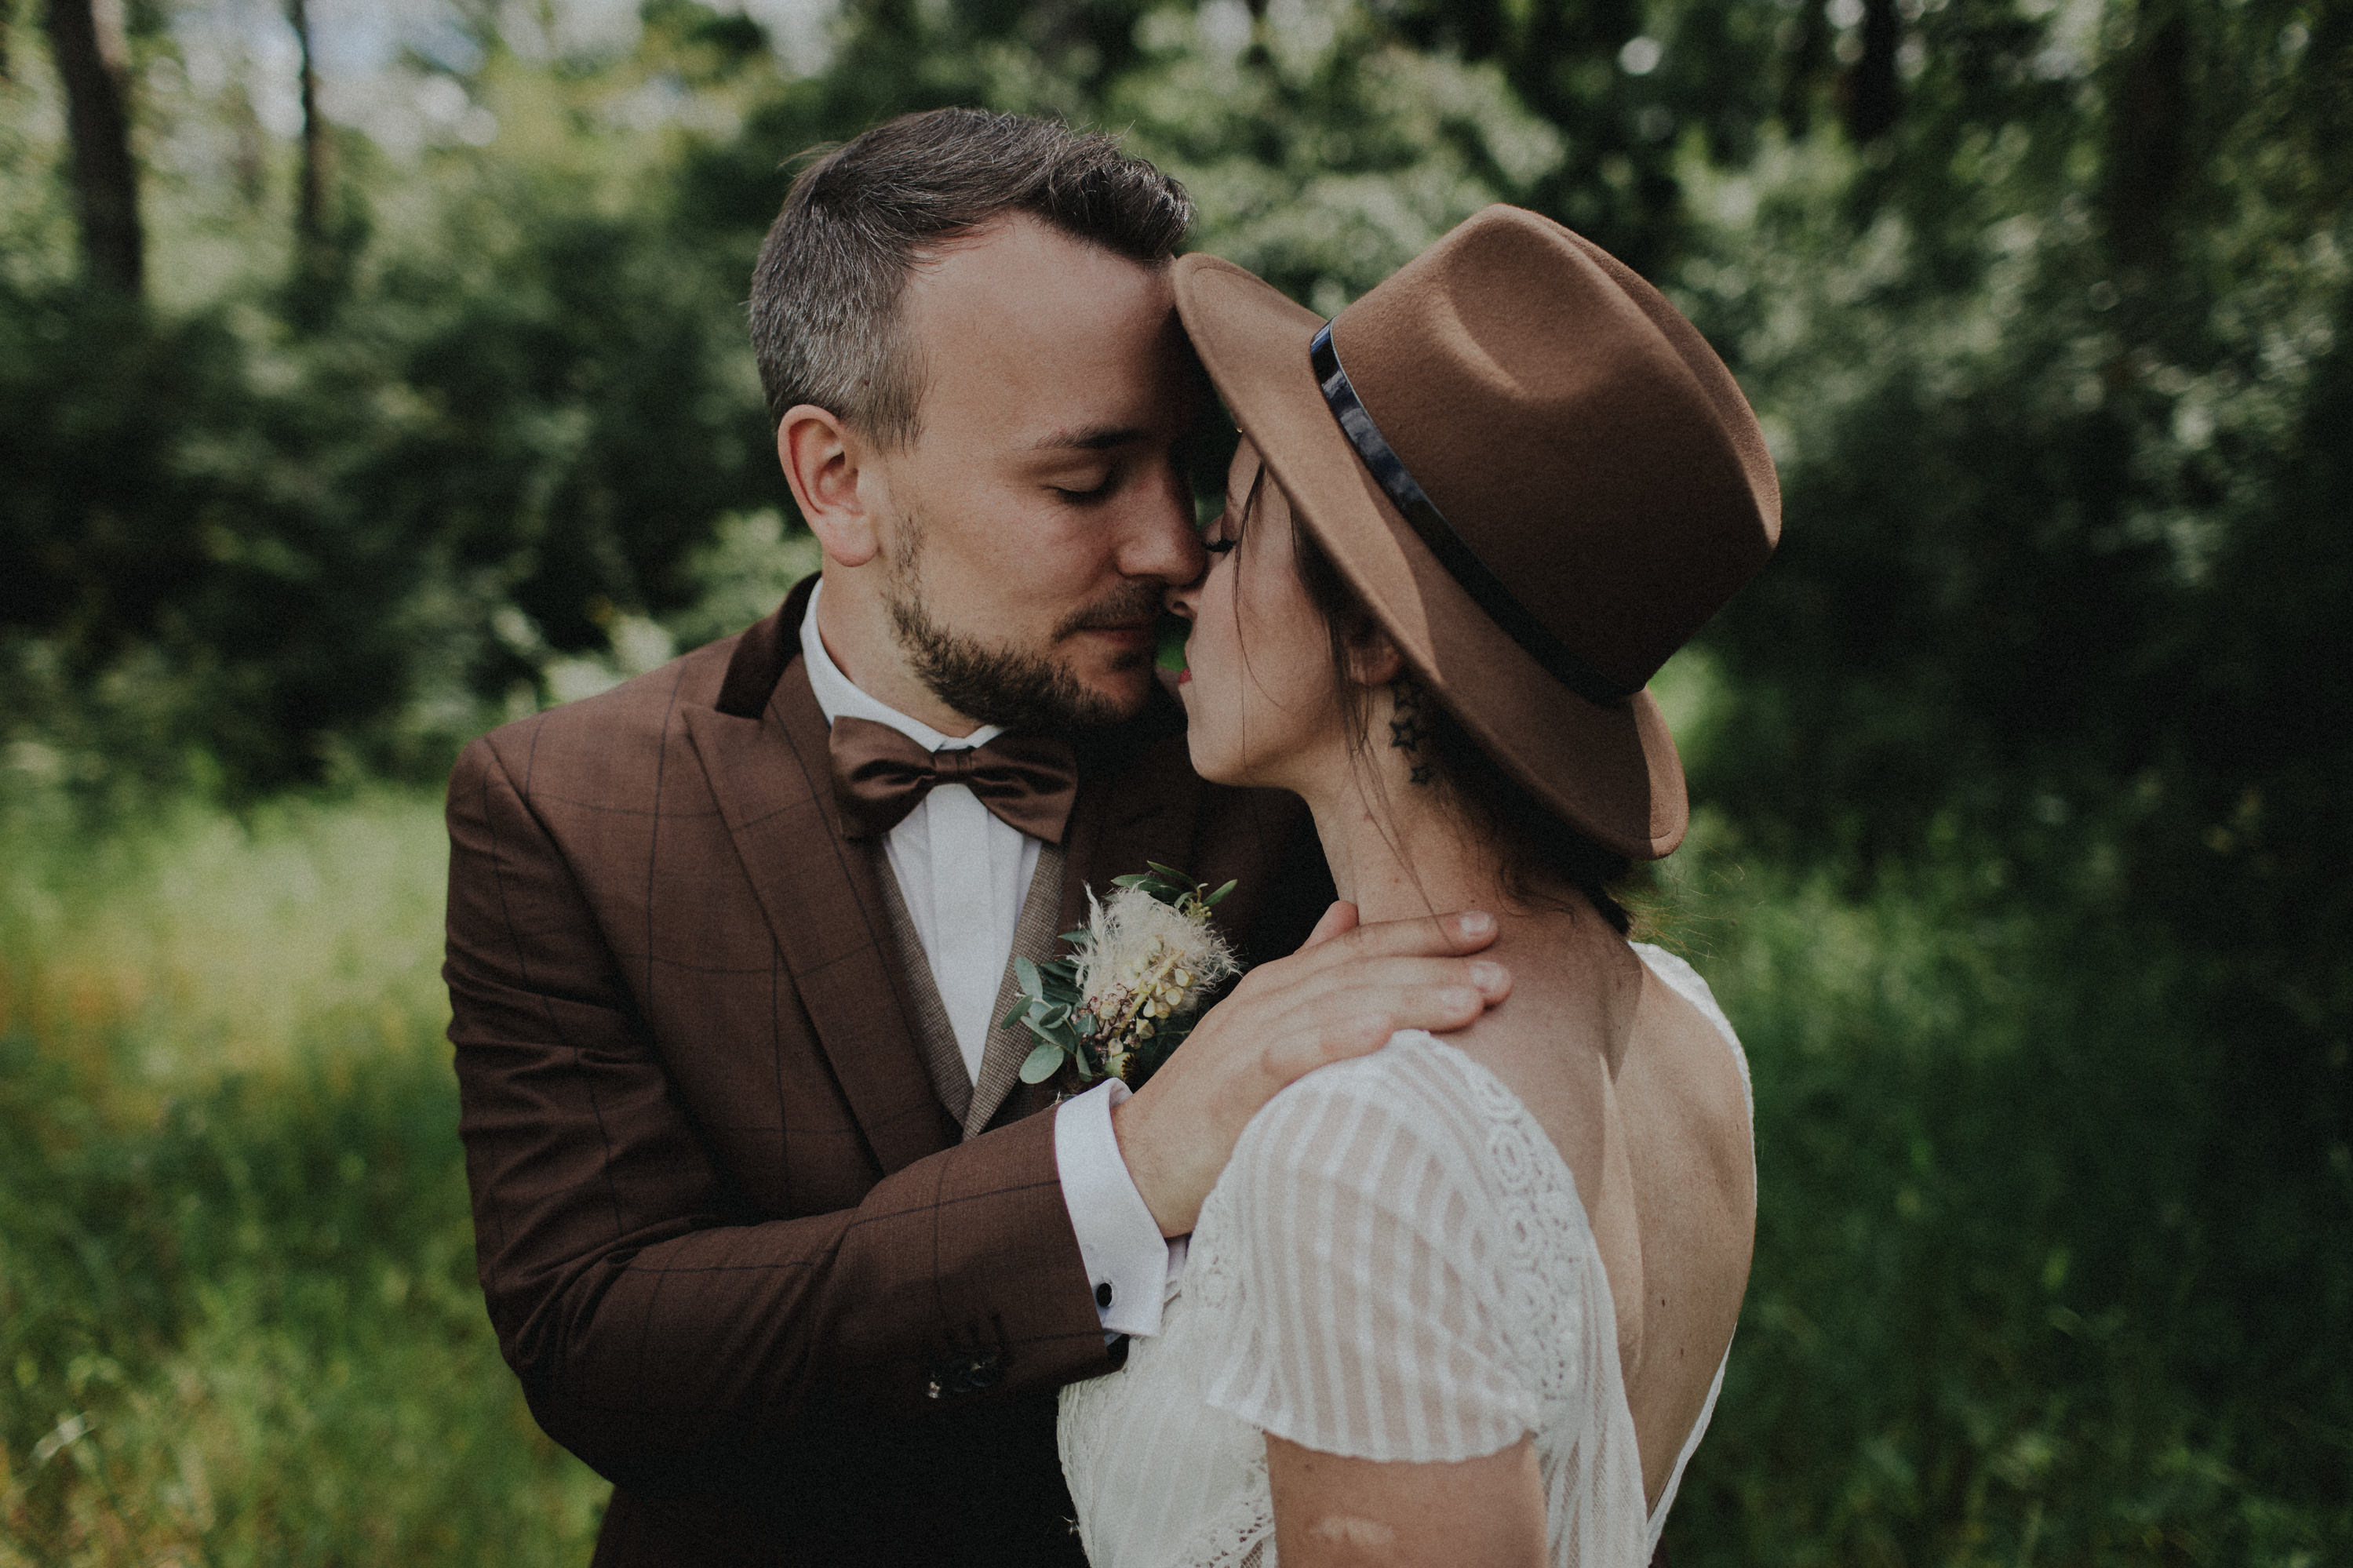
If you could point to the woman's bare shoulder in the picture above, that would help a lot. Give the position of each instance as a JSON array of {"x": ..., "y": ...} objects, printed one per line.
[{"x": 1682, "y": 1039}]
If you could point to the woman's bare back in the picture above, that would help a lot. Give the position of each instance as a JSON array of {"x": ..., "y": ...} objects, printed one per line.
[{"x": 1644, "y": 1099}]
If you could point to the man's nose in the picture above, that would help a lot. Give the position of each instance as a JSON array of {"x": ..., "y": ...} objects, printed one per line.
[{"x": 1163, "y": 543}]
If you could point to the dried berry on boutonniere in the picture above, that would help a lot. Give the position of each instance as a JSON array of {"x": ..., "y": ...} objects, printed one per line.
[{"x": 1136, "y": 976}]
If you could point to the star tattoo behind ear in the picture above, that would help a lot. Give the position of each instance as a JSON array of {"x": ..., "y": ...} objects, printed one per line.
[{"x": 1405, "y": 726}]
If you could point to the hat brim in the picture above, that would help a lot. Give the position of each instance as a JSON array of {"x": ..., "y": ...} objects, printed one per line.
[{"x": 1610, "y": 771}]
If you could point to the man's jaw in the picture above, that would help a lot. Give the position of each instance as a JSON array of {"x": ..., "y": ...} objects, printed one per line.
[{"x": 1085, "y": 679}]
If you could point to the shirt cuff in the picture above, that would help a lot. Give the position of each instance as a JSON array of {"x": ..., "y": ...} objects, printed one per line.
[{"x": 1128, "y": 1262}]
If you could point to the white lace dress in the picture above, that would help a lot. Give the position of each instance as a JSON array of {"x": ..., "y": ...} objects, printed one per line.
[{"x": 1395, "y": 1266}]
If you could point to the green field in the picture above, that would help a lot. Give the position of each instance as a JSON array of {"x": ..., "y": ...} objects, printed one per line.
[
  {"x": 237, "y": 1311},
  {"x": 238, "y": 1322}
]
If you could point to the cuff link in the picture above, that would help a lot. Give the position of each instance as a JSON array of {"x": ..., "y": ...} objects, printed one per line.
[
  {"x": 1103, "y": 1296},
  {"x": 964, "y": 1372}
]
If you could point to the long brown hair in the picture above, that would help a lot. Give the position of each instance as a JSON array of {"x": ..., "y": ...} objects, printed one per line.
[{"x": 1538, "y": 853}]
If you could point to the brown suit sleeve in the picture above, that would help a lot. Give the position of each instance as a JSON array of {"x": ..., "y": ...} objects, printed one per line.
[{"x": 649, "y": 1311}]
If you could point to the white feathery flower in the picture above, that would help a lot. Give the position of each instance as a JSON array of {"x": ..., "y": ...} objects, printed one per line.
[
  {"x": 1134, "y": 938},
  {"x": 1124, "y": 997},
  {"x": 1145, "y": 960}
]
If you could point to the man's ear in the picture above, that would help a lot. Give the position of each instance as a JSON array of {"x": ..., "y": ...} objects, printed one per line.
[
  {"x": 822, "y": 459},
  {"x": 1373, "y": 659}
]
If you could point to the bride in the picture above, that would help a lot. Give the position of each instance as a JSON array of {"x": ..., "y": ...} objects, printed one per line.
[{"x": 1461, "y": 1302}]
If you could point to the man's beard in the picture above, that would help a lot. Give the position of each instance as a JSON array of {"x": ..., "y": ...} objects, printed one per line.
[{"x": 1015, "y": 688}]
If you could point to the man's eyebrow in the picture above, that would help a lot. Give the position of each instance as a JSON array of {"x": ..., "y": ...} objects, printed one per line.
[{"x": 1093, "y": 438}]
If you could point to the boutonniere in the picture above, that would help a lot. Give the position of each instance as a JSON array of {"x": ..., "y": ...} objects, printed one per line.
[{"x": 1128, "y": 991}]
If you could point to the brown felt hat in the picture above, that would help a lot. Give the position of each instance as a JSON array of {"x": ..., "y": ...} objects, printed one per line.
[{"x": 1535, "y": 474}]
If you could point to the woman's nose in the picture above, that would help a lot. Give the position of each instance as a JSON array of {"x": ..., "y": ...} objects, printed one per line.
[{"x": 1180, "y": 602}]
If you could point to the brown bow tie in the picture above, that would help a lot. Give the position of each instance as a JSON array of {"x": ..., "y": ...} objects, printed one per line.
[{"x": 879, "y": 775}]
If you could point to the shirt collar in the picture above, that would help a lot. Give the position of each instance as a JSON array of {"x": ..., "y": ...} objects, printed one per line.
[{"x": 837, "y": 694}]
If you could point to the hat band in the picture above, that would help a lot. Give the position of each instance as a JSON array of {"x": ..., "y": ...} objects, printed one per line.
[{"x": 1453, "y": 552}]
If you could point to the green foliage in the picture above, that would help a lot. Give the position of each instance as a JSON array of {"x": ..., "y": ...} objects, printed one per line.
[
  {"x": 238, "y": 1322},
  {"x": 2058, "y": 377},
  {"x": 347, "y": 536},
  {"x": 1999, "y": 1311},
  {"x": 151, "y": 532},
  {"x": 1979, "y": 1325}
]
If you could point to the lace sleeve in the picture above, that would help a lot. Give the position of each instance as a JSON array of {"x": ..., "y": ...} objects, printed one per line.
[{"x": 1356, "y": 1269}]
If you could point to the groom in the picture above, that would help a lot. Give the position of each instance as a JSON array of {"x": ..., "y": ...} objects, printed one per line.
[{"x": 769, "y": 1229}]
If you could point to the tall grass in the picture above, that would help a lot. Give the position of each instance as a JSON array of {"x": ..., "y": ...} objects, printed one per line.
[
  {"x": 238, "y": 1322},
  {"x": 1993, "y": 1318},
  {"x": 1988, "y": 1322}
]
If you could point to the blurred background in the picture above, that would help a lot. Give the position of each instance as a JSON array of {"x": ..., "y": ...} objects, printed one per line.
[{"x": 372, "y": 372}]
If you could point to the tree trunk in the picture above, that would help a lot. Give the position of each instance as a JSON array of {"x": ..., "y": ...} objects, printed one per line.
[
  {"x": 2149, "y": 147},
  {"x": 311, "y": 201},
  {"x": 106, "y": 180},
  {"x": 1873, "y": 98},
  {"x": 1802, "y": 73}
]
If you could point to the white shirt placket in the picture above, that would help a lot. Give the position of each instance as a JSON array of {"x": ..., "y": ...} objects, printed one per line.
[{"x": 968, "y": 952}]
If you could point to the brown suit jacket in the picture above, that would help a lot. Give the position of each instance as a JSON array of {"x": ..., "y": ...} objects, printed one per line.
[{"x": 736, "y": 1249}]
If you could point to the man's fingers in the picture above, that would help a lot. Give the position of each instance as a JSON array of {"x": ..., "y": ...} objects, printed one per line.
[
  {"x": 1326, "y": 949},
  {"x": 1312, "y": 1036},
  {"x": 1463, "y": 932},
  {"x": 1336, "y": 985},
  {"x": 1338, "y": 920}
]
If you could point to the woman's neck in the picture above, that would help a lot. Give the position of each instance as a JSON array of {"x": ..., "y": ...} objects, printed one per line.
[{"x": 1396, "y": 851}]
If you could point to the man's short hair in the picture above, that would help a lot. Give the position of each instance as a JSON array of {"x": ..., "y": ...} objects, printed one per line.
[{"x": 826, "y": 292}]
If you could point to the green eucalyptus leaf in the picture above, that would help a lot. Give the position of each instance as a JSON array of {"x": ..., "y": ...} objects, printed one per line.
[
  {"x": 1211, "y": 901},
  {"x": 1044, "y": 1060},
  {"x": 1025, "y": 975}
]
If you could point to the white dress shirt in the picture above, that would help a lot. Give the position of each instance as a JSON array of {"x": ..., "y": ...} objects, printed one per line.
[{"x": 964, "y": 874}]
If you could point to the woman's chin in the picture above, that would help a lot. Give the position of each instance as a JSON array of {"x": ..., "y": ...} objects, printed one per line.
[{"x": 1213, "y": 764}]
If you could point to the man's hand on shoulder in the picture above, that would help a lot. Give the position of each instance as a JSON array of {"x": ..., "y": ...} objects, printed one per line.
[{"x": 1342, "y": 994}]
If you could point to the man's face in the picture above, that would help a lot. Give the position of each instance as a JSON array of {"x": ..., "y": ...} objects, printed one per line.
[{"x": 1031, "y": 528}]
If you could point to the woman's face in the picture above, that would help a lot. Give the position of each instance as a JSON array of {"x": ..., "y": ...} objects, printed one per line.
[{"x": 1259, "y": 685}]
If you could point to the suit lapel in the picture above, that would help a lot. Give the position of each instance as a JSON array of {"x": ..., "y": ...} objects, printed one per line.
[{"x": 772, "y": 777}]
